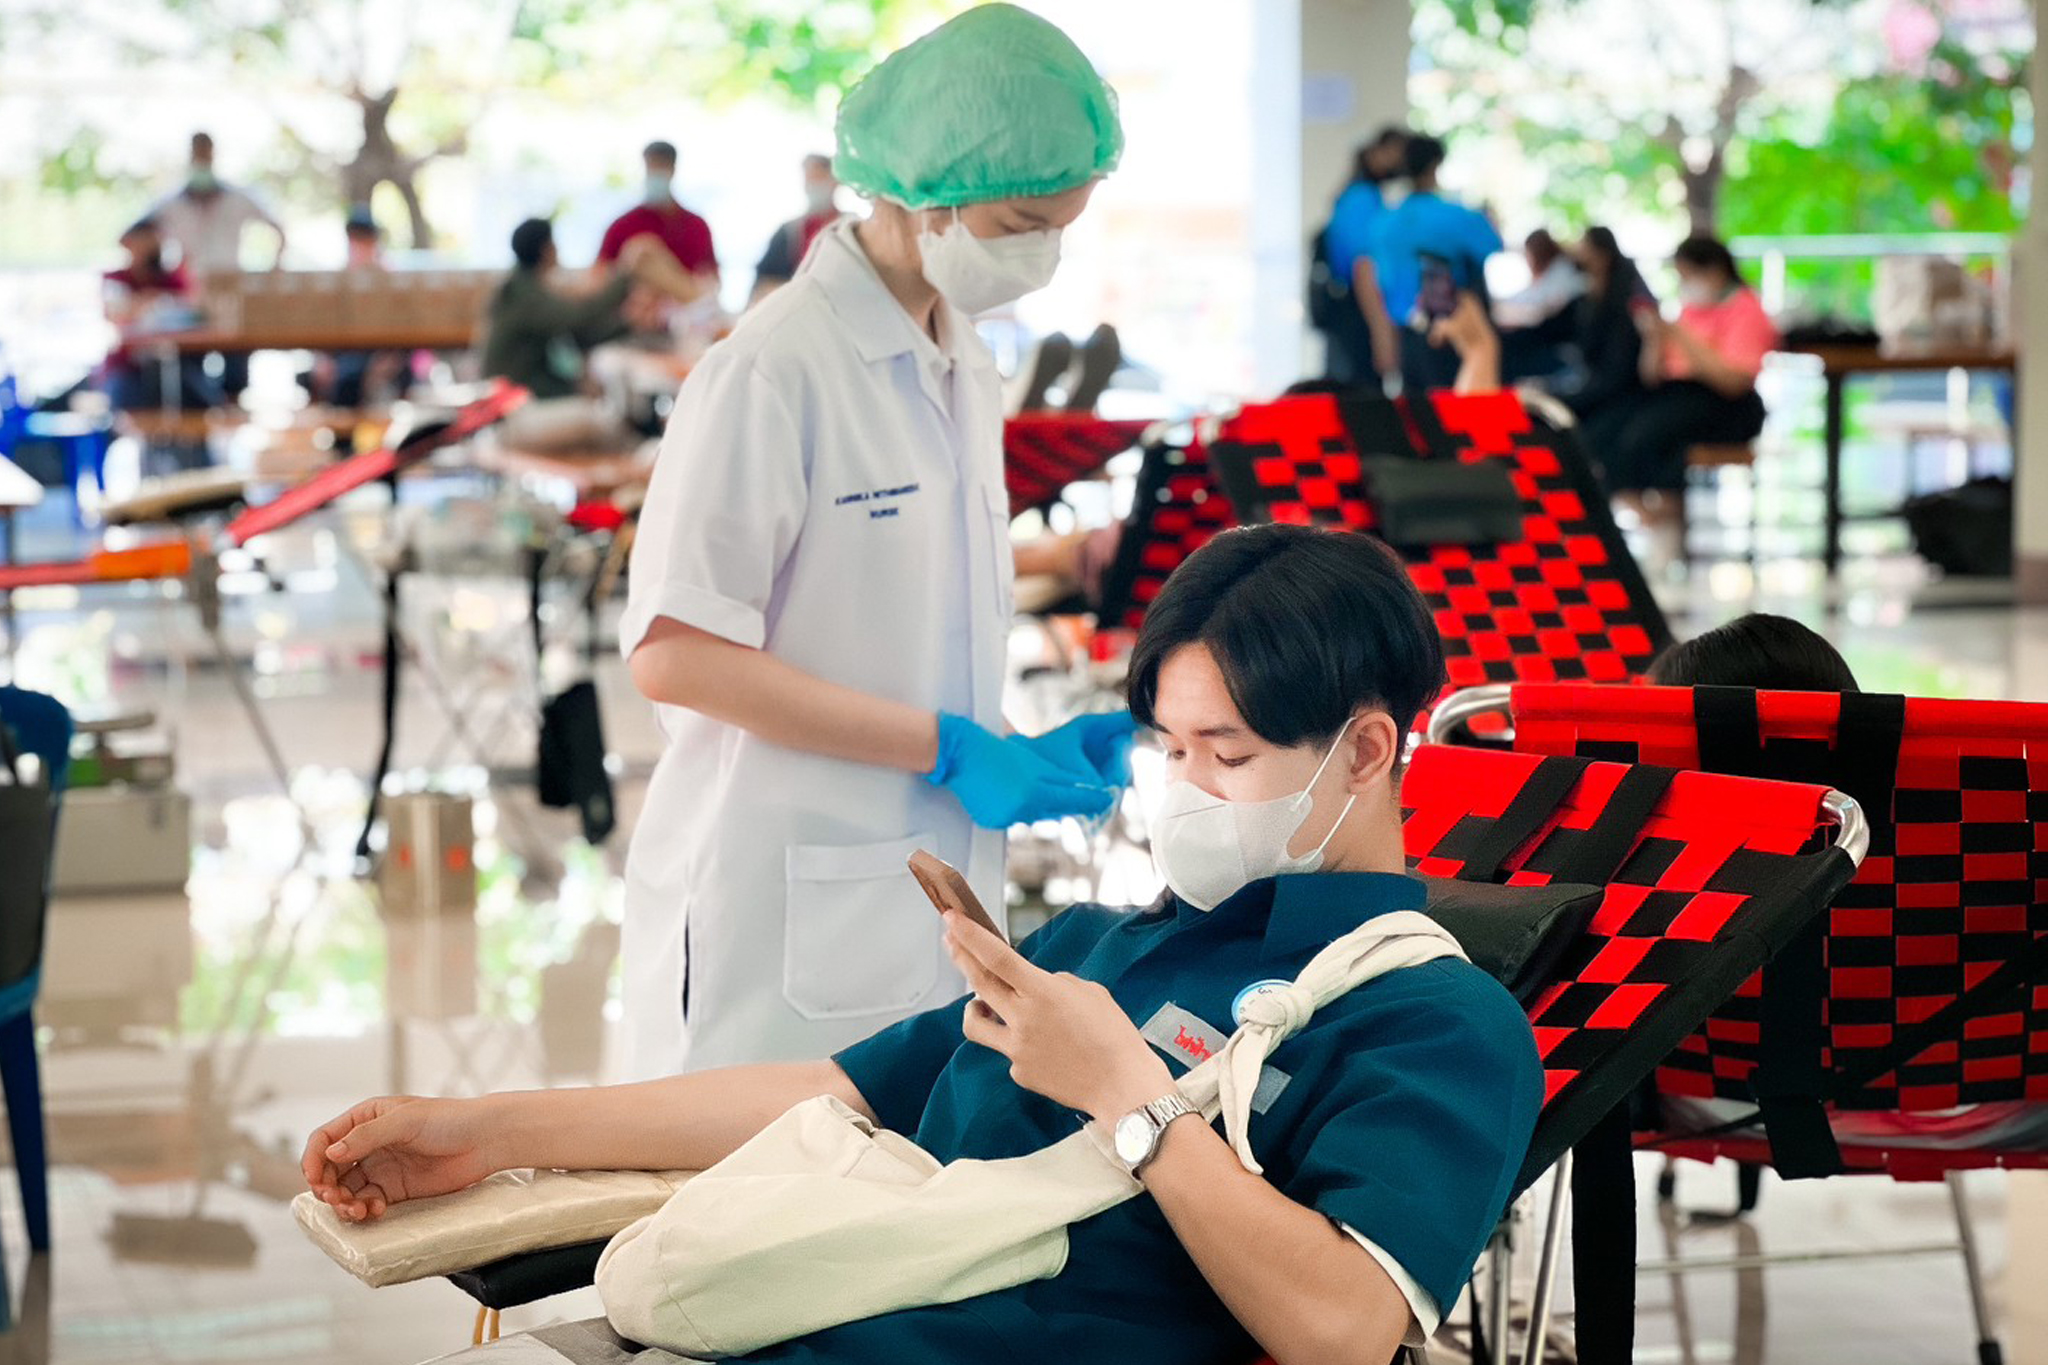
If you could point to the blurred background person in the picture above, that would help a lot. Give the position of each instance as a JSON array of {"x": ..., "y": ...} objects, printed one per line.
[
  {"x": 539, "y": 334},
  {"x": 145, "y": 295},
  {"x": 1700, "y": 374},
  {"x": 1334, "y": 302},
  {"x": 1604, "y": 376},
  {"x": 791, "y": 242},
  {"x": 1425, "y": 252},
  {"x": 206, "y": 219},
  {"x": 682, "y": 233}
]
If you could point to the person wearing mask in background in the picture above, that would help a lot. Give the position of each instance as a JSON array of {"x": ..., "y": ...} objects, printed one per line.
[
  {"x": 681, "y": 233},
  {"x": 821, "y": 586},
  {"x": 1700, "y": 375},
  {"x": 1424, "y": 253},
  {"x": 206, "y": 219},
  {"x": 1334, "y": 303},
  {"x": 140, "y": 297},
  {"x": 792, "y": 241},
  {"x": 1604, "y": 375}
]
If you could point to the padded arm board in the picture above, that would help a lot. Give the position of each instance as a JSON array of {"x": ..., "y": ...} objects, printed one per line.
[{"x": 504, "y": 1215}]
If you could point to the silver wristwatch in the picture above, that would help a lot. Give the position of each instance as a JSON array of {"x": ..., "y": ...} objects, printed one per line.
[{"x": 1137, "y": 1133}]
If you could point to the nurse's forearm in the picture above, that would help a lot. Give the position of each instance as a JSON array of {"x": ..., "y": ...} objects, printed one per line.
[
  {"x": 679, "y": 1123},
  {"x": 761, "y": 694},
  {"x": 1307, "y": 1292}
]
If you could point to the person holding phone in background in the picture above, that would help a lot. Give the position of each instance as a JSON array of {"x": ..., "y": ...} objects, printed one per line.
[{"x": 1699, "y": 373}]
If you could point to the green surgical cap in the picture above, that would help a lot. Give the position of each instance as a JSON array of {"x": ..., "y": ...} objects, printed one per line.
[{"x": 994, "y": 104}]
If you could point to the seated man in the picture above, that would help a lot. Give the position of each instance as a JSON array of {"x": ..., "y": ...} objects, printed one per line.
[{"x": 1282, "y": 668}]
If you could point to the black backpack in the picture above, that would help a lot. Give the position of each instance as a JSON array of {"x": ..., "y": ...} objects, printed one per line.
[{"x": 1330, "y": 301}]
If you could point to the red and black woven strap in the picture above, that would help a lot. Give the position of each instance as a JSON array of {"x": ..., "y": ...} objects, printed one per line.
[
  {"x": 1562, "y": 601},
  {"x": 1706, "y": 876},
  {"x": 1706, "y": 869},
  {"x": 1936, "y": 994},
  {"x": 1043, "y": 452},
  {"x": 1175, "y": 510}
]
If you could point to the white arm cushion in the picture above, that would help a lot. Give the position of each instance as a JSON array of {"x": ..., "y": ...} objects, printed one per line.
[{"x": 503, "y": 1215}]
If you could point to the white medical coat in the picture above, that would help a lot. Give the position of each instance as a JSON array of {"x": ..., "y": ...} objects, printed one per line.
[{"x": 830, "y": 490}]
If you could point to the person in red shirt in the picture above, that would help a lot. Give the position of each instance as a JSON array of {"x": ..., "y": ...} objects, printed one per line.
[
  {"x": 687, "y": 237},
  {"x": 1700, "y": 371},
  {"x": 141, "y": 297}
]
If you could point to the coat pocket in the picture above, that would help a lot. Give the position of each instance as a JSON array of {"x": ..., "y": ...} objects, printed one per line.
[{"x": 859, "y": 937}]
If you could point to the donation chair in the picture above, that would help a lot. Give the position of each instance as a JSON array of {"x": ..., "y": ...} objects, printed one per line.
[
  {"x": 1492, "y": 505},
  {"x": 1637, "y": 901},
  {"x": 1176, "y": 509},
  {"x": 40, "y": 726},
  {"x": 1043, "y": 452},
  {"x": 1925, "y": 988}
]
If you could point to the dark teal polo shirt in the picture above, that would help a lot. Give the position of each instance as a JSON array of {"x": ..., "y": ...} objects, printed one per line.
[{"x": 1405, "y": 1112}]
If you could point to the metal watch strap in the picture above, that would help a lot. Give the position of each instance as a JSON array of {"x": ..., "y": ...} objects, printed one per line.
[{"x": 1159, "y": 1113}]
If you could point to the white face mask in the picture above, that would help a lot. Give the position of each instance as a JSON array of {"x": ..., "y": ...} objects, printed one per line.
[
  {"x": 975, "y": 274},
  {"x": 1208, "y": 848},
  {"x": 1697, "y": 293}
]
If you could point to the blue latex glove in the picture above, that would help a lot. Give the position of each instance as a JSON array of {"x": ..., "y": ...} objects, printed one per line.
[
  {"x": 1002, "y": 782},
  {"x": 1094, "y": 748}
]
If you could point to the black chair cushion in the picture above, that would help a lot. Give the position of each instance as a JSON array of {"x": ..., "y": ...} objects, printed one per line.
[{"x": 1516, "y": 934}]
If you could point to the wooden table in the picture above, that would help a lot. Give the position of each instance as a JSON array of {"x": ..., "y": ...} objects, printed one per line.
[
  {"x": 1839, "y": 364},
  {"x": 450, "y": 335}
]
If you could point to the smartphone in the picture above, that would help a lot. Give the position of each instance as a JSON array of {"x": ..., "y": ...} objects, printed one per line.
[{"x": 949, "y": 890}]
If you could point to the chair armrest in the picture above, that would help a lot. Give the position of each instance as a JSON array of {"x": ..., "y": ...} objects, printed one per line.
[{"x": 531, "y": 1275}]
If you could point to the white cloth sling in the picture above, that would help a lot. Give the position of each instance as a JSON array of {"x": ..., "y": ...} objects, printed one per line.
[{"x": 821, "y": 1219}]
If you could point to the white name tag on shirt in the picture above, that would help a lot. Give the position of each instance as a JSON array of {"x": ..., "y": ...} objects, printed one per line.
[{"x": 1188, "y": 1041}]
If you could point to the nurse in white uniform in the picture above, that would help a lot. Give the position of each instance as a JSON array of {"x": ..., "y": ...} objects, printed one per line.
[{"x": 820, "y": 592}]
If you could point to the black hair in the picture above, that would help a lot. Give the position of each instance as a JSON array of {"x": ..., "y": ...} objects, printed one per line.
[
  {"x": 146, "y": 223},
  {"x": 1393, "y": 134},
  {"x": 530, "y": 241},
  {"x": 1424, "y": 155},
  {"x": 658, "y": 150},
  {"x": 1757, "y": 650},
  {"x": 1703, "y": 252},
  {"x": 1542, "y": 246},
  {"x": 1306, "y": 625},
  {"x": 1600, "y": 241}
]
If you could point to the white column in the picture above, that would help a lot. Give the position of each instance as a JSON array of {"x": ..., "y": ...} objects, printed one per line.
[
  {"x": 1326, "y": 74},
  {"x": 2030, "y": 308}
]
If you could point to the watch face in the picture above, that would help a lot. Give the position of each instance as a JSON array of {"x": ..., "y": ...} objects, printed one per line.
[{"x": 1133, "y": 1138}]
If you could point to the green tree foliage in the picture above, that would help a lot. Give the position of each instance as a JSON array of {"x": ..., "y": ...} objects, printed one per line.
[
  {"x": 416, "y": 78},
  {"x": 1825, "y": 139}
]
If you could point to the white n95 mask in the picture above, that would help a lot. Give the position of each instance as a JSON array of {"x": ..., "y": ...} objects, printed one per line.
[
  {"x": 975, "y": 274},
  {"x": 1208, "y": 849}
]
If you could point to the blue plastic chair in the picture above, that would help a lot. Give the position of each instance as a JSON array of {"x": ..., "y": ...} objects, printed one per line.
[
  {"x": 84, "y": 442},
  {"x": 42, "y": 727}
]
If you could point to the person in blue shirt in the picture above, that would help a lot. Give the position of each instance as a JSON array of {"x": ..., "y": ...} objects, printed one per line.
[
  {"x": 1281, "y": 668},
  {"x": 1334, "y": 305},
  {"x": 1423, "y": 253}
]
